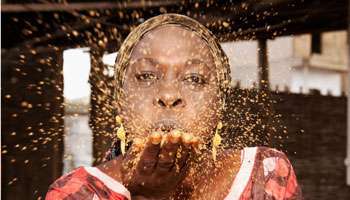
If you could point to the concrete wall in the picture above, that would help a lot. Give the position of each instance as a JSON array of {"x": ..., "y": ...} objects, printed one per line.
[{"x": 316, "y": 142}]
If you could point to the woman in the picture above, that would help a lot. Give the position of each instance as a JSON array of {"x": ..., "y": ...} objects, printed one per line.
[{"x": 172, "y": 79}]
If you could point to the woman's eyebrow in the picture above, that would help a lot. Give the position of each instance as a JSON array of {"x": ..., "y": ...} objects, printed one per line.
[
  {"x": 147, "y": 59},
  {"x": 197, "y": 61}
]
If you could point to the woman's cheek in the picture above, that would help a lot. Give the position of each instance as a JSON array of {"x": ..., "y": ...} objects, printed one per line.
[{"x": 201, "y": 111}]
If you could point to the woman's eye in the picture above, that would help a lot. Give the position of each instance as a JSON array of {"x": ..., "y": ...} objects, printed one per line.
[
  {"x": 146, "y": 76},
  {"x": 195, "y": 79}
]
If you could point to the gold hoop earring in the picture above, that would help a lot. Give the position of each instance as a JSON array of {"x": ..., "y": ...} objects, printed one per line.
[
  {"x": 121, "y": 134},
  {"x": 216, "y": 140}
]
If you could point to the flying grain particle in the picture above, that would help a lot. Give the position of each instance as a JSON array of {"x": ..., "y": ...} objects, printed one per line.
[
  {"x": 75, "y": 33},
  {"x": 225, "y": 24}
]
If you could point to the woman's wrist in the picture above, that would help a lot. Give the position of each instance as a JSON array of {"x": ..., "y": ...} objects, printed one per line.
[{"x": 112, "y": 169}]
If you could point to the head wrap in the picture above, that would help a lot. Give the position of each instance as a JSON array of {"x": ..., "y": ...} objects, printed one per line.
[{"x": 220, "y": 58}]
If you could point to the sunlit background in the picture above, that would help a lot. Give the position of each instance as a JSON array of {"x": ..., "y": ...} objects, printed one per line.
[
  {"x": 298, "y": 49},
  {"x": 288, "y": 71}
]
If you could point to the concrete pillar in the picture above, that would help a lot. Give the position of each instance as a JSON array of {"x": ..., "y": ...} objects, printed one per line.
[
  {"x": 263, "y": 65},
  {"x": 347, "y": 160},
  {"x": 101, "y": 113}
]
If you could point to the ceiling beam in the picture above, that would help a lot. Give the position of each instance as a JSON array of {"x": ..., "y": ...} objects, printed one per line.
[{"x": 48, "y": 7}]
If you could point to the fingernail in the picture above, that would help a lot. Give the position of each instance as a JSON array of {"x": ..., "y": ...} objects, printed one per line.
[
  {"x": 186, "y": 138},
  {"x": 164, "y": 140},
  {"x": 195, "y": 143},
  {"x": 156, "y": 138},
  {"x": 195, "y": 140},
  {"x": 175, "y": 136}
]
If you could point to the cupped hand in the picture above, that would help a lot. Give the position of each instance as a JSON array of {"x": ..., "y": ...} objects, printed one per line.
[{"x": 155, "y": 167}]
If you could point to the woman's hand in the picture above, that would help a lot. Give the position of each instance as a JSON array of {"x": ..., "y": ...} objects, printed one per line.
[{"x": 153, "y": 169}]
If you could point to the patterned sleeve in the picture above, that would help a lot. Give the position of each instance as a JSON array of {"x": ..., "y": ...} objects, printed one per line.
[
  {"x": 79, "y": 184},
  {"x": 278, "y": 177}
]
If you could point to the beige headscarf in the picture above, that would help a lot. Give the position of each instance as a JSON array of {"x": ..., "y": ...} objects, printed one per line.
[{"x": 220, "y": 59}]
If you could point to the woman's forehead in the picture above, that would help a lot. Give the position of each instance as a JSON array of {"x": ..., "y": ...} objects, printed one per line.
[{"x": 172, "y": 44}]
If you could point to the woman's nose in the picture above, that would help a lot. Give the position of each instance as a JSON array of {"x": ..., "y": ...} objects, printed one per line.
[{"x": 169, "y": 101}]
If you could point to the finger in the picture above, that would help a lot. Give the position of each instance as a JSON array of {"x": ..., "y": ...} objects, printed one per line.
[
  {"x": 182, "y": 157},
  {"x": 190, "y": 140},
  {"x": 149, "y": 156},
  {"x": 184, "y": 151},
  {"x": 175, "y": 136},
  {"x": 137, "y": 146},
  {"x": 131, "y": 158},
  {"x": 196, "y": 144},
  {"x": 186, "y": 139},
  {"x": 155, "y": 138},
  {"x": 167, "y": 154}
]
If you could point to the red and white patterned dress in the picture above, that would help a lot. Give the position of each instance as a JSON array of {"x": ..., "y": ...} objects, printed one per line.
[{"x": 264, "y": 173}]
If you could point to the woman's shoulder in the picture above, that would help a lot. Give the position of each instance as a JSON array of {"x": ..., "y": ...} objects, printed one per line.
[
  {"x": 269, "y": 159},
  {"x": 271, "y": 171},
  {"x": 262, "y": 153},
  {"x": 75, "y": 176},
  {"x": 68, "y": 185},
  {"x": 258, "y": 153},
  {"x": 87, "y": 182},
  {"x": 264, "y": 150}
]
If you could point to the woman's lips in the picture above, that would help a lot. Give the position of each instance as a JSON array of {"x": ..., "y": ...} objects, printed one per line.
[{"x": 165, "y": 125}]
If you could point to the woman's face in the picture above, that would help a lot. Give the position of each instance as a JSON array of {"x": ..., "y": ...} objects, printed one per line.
[{"x": 170, "y": 83}]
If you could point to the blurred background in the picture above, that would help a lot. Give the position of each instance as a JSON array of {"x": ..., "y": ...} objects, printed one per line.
[{"x": 57, "y": 71}]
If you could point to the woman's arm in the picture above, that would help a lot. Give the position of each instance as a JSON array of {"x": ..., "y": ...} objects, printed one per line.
[
  {"x": 279, "y": 179},
  {"x": 87, "y": 183}
]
